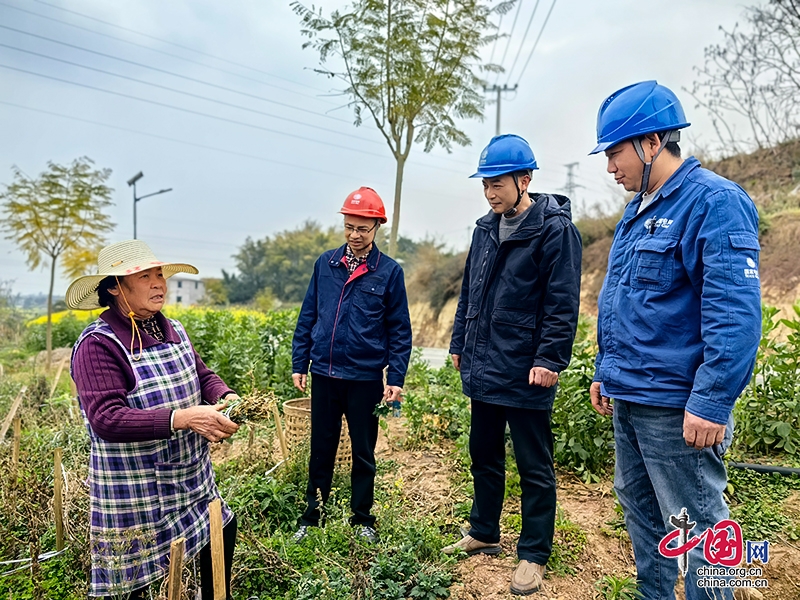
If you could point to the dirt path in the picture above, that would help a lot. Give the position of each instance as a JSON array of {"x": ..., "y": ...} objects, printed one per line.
[{"x": 426, "y": 477}]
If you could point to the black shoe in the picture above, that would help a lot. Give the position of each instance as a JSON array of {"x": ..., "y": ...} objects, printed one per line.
[
  {"x": 300, "y": 534},
  {"x": 367, "y": 533}
]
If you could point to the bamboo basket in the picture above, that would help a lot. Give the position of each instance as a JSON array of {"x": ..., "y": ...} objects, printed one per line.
[{"x": 297, "y": 425}]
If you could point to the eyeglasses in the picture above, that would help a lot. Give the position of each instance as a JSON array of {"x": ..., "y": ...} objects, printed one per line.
[{"x": 359, "y": 230}]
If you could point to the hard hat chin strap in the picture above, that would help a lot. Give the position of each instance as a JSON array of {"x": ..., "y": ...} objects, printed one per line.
[
  {"x": 513, "y": 210},
  {"x": 669, "y": 136}
]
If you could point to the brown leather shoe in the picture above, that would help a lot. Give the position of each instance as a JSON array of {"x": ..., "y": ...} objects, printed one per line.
[
  {"x": 471, "y": 546},
  {"x": 527, "y": 578}
]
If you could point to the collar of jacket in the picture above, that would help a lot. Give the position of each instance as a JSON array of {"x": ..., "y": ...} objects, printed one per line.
[
  {"x": 675, "y": 180},
  {"x": 372, "y": 258},
  {"x": 543, "y": 205}
]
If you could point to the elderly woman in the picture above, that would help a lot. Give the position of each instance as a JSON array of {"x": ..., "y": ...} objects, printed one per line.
[{"x": 151, "y": 406}]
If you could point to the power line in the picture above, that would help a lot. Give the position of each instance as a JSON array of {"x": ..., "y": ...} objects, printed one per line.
[
  {"x": 191, "y": 95},
  {"x": 524, "y": 37},
  {"x": 186, "y": 110},
  {"x": 183, "y": 58},
  {"x": 513, "y": 25},
  {"x": 171, "y": 43},
  {"x": 225, "y": 119},
  {"x": 197, "y": 145},
  {"x": 172, "y": 73},
  {"x": 494, "y": 46},
  {"x": 536, "y": 43}
]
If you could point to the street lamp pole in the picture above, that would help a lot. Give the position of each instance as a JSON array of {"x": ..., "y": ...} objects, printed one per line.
[{"x": 132, "y": 183}]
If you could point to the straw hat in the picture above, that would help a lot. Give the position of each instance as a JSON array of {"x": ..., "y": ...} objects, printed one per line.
[{"x": 120, "y": 259}]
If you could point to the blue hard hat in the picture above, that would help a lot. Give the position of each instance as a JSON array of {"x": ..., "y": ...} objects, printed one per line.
[
  {"x": 505, "y": 154},
  {"x": 636, "y": 110}
]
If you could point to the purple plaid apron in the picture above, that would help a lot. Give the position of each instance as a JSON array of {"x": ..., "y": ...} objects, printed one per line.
[{"x": 144, "y": 495}]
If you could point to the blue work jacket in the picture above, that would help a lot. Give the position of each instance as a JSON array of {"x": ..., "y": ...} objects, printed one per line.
[
  {"x": 353, "y": 326},
  {"x": 518, "y": 307},
  {"x": 679, "y": 319}
]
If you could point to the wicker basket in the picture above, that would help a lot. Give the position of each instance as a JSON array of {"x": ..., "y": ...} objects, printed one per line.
[{"x": 297, "y": 424}]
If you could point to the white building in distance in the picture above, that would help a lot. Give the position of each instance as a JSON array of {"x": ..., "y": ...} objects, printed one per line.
[{"x": 185, "y": 290}]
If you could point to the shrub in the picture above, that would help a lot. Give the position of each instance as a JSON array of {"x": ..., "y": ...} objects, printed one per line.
[
  {"x": 434, "y": 406},
  {"x": 584, "y": 440},
  {"x": 768, "y": 413}
]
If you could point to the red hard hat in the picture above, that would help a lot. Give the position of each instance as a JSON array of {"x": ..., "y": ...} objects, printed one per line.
[{"x": 364, "y": 202}]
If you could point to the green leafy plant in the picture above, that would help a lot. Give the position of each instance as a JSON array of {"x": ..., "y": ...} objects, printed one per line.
[
  {"x": 569, "y": 543},
  {"x": 756, "y": 501},
  {"x": 434, "y": 407},
  {"x": 431, "y": 584},
  {"x": 584, "y": 440},
  {"x": 768, "y": 413},
  {"x": 611, "y": 587}
]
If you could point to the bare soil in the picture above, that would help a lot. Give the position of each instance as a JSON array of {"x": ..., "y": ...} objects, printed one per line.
[{"x": 426, "y": 483}]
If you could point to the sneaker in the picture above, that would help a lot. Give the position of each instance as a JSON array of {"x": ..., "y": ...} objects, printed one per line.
[
  {"x": 471, "y": 546},
  {"x": 367, "y": 534},
  {"x": 527, "y": 578},
  {"x": 300, "y": 534}
]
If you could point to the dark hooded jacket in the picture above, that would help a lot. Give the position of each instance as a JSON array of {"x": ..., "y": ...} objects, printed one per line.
[{"x": 518, "y": 307}]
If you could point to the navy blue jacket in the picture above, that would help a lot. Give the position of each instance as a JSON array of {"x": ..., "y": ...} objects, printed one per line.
[
  {"x": 351, "y": 327},
  {"x": 519, "y": 305},
  {"x": 679, "y": 319}
]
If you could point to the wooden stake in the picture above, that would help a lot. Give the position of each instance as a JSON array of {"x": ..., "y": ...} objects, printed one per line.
[
  {"x": 58, "y": 501},
  {"x": 251, "y": 438},
  {"x": 279, "y": 431},
  {"x": 58, "y": 376},
  {"x": 10, "y": 416},
  {"x": 15, "y": 446},
  {"x": 175, "y": 582},
  {"x": 217, "y": 549}
]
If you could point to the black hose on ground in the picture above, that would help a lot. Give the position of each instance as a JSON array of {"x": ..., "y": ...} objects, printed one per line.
[{"x": 764, "y": 468}]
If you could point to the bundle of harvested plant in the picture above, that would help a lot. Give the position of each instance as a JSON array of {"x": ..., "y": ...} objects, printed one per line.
[{"x": 253, "y": 407}]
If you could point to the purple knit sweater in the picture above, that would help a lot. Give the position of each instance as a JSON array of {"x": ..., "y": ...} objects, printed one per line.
[{"x": 104, "y": 377}]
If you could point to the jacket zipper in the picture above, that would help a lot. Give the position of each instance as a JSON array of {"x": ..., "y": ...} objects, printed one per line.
[{"x": 352, "y": 278}]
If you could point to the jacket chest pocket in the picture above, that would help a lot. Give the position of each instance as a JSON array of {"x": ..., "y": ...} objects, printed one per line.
[
  {"x": 369, "y": 296},
  {"x": 653, "y": 263},
  {"x": 744, "y": 257}
]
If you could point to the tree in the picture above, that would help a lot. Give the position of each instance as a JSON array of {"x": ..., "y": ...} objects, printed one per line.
[
  {"x": 282, "y": 263},
  {"x": 409, "y": 66},
  {"x": 754, "y": 75},
  {"x": 56, "y": 215}
]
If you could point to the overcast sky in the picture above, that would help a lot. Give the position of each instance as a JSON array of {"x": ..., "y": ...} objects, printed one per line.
[{"x": 246, "y": 173}]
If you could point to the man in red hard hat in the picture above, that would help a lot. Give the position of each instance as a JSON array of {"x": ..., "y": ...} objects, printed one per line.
[{"x": 353, "y": 324}]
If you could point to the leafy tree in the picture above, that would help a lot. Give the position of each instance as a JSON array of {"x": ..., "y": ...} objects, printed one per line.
[
  {"x": 282, "y": 263},
  {"x": 409, "y": 66},
  {"x": 57, "y": 215},
  {"x": 216, "y": 292}
]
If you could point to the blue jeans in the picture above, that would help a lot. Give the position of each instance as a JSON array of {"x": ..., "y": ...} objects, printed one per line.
[{"x": 656, "y": 476}]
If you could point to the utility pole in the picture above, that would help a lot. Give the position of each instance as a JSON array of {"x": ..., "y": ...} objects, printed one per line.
[
  {"x": 570, "y": 187},
  {"x": 132, "y": 183},
  {"x": 499, "y": 90}
]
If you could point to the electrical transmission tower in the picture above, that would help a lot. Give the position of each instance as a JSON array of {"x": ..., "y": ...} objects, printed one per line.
[
  {"x": 499, "y": 89},
  {"x": 571, "y": 186}
]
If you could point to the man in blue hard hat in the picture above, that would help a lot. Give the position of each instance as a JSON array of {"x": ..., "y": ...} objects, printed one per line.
[
  {"x": 678, "y": 327},
  {"x": 512, "y": 336}
]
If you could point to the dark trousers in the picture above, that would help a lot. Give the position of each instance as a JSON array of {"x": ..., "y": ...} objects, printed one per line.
[
  {"x": 533, "y": 448},
  {"x": 330, "y": 399},
  {"x": 206, "y": 571}
]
